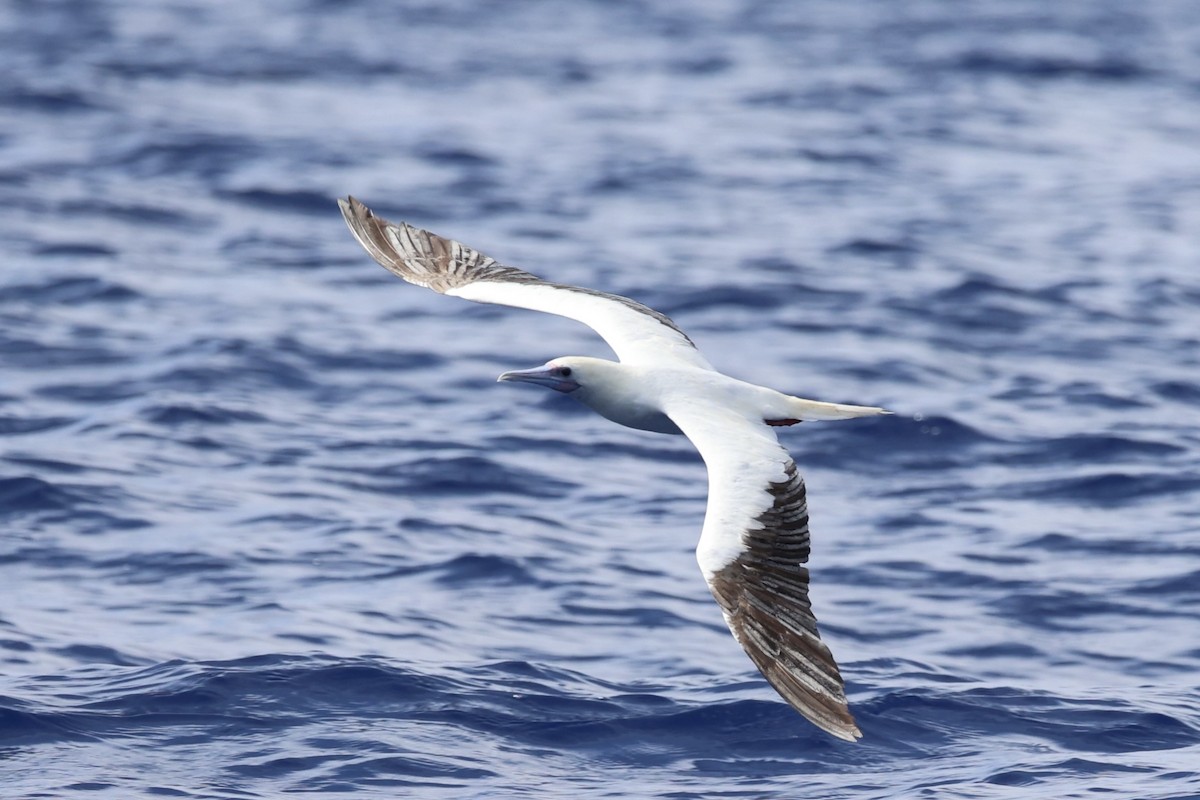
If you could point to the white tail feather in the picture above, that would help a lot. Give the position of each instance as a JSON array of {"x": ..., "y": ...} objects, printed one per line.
[{"x": 816, "y": 410}]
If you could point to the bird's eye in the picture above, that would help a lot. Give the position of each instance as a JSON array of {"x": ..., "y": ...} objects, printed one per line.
[{"x": 564, "y": 371}]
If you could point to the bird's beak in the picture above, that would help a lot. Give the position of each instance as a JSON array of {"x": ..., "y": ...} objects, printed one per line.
[{"x": 542, "y": 376}]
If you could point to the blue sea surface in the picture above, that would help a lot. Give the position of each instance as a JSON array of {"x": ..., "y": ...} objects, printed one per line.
[{"x": 269, "y": 527}]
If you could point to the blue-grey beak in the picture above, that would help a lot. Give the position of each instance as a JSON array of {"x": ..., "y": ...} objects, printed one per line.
[{"x": 542, "y": 376}]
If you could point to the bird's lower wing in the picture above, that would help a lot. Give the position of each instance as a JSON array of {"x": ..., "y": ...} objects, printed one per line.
[
  {"x": 637, "y": 334},
  {"x": 752, "y": 552}
]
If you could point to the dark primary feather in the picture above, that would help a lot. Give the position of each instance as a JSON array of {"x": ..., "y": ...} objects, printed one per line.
[
  {"x": 764, "y": 594},
  {"x": 421, "y": 257}
]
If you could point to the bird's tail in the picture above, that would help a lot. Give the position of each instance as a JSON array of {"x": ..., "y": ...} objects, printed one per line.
[{"x": 797, "y": 409}]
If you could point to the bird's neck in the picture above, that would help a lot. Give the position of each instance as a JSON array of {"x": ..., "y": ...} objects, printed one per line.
[{"x": 626, "y": 395}]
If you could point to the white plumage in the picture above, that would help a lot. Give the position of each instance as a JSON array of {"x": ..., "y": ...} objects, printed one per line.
[{"x": 755, "y": 540}]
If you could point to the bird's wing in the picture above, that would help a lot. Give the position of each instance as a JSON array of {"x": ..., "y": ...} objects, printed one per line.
[
  {"x": 637, "y": 334},
  {"x": 752, "y": 552}
]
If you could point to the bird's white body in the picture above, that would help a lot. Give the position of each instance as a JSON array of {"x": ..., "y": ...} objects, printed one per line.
[
  {"x": 636, "y": 395},
  {"x": 755, "y": 538}
]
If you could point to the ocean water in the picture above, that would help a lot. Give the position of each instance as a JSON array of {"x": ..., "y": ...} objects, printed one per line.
[{"x": 269, "y": 527}]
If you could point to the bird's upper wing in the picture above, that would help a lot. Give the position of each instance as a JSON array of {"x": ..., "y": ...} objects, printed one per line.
[
  {"x": 637, "y": 334},
  {"x": 752, "y": 552}
]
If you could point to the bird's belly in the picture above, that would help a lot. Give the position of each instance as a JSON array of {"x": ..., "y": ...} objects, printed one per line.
[{"x": 643, "y": 419}]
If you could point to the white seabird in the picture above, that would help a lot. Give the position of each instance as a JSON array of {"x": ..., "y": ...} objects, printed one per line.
[{"x": 755, "y": 539}]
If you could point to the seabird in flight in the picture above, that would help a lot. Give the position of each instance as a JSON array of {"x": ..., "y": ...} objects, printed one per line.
[{"x": 755, "y": 541}]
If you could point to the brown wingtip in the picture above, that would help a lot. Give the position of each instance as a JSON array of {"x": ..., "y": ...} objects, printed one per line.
[
  {"x": 419, "y": 256},
  {"x": 850, "y": 733},
  {"x": 369, "y": 231},
  {"x": 353, "y": 208}
]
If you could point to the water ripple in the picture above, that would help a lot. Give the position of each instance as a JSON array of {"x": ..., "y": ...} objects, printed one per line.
[{"x": 270, "y": 527}]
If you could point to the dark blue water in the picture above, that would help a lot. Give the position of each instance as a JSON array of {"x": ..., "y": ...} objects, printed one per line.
[{"x": 270, "y": 527}]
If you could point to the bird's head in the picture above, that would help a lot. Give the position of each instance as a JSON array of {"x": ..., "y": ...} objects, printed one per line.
[{"x": 565, "y": 375}]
